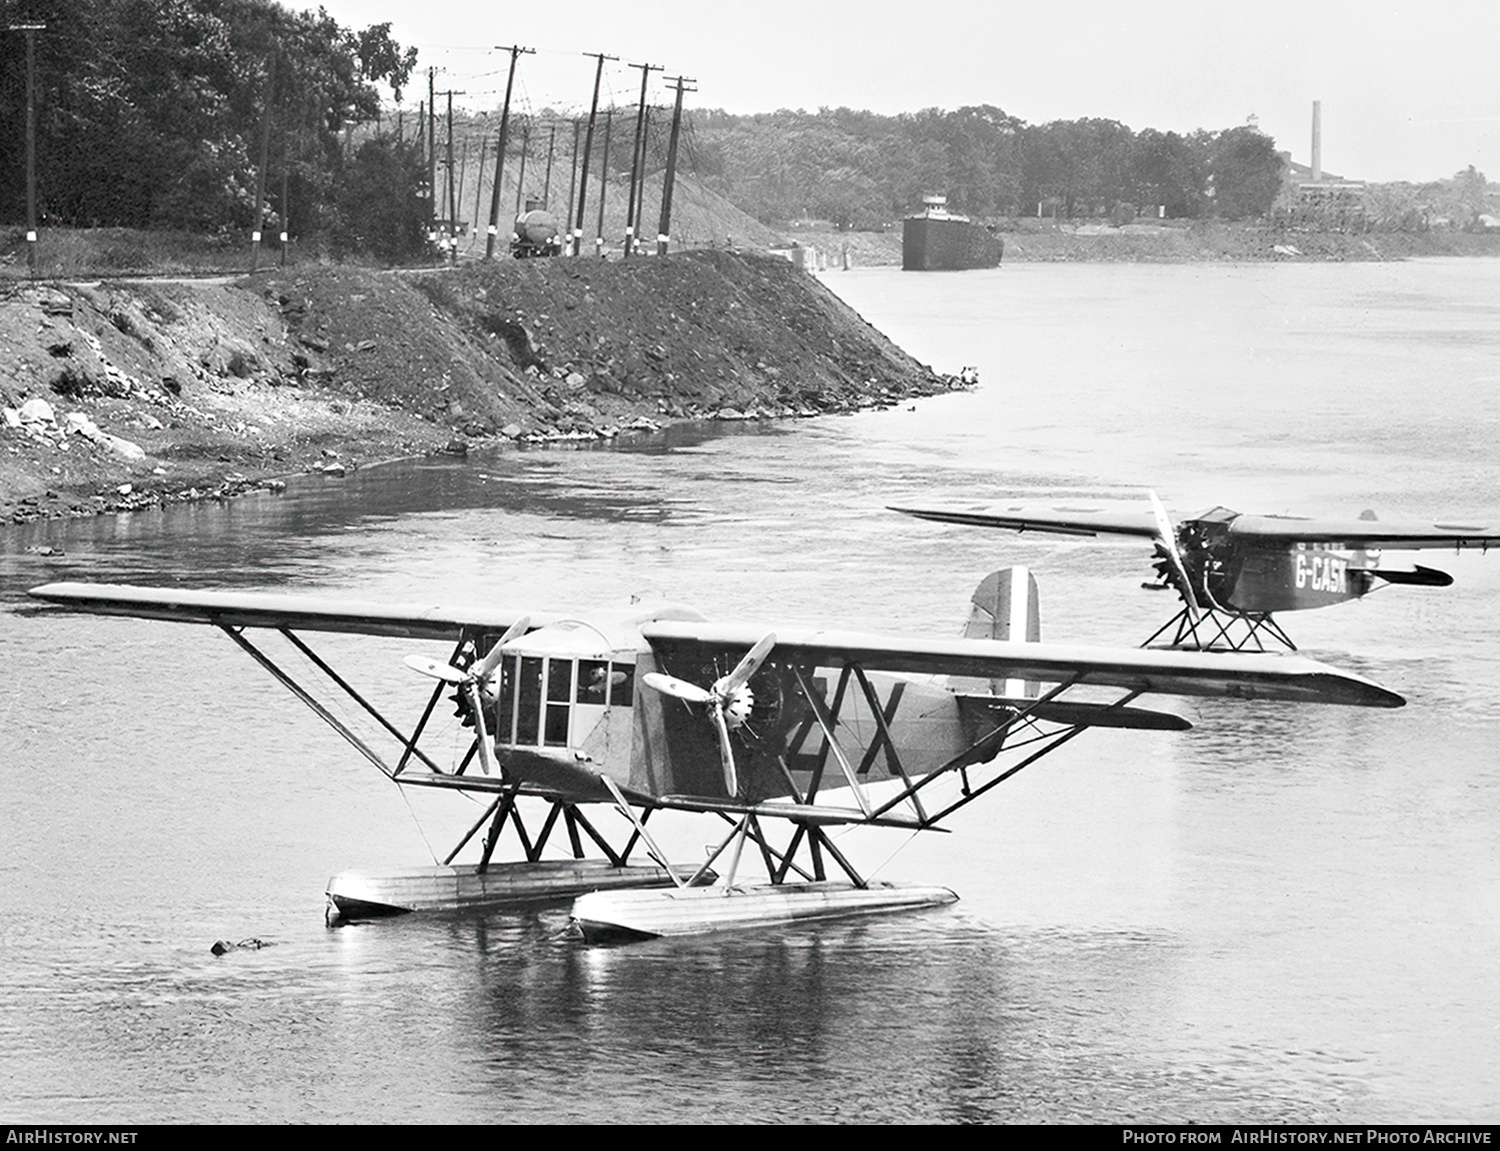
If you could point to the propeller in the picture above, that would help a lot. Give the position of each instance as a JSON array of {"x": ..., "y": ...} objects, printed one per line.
[
  {"x": 729, "y": 700},
  {"x": 471, "y": 683},
  {"x": 1166, "y": 538},
  {"x": 480, "y": 672}
]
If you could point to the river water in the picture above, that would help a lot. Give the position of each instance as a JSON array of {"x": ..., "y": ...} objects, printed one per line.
[{"x": 1285, "y": 914}]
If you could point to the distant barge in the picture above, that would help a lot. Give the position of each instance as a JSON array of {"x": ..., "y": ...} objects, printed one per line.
[{"x": 937, "y": 241}]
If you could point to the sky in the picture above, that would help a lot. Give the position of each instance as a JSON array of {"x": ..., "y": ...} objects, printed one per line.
[{"x": 1408, "y": 91}]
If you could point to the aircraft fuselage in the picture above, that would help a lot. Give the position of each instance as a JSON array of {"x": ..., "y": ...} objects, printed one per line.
[
  {"x": 1274, "y": 579},
  {"x": 1258, "y": 578}
]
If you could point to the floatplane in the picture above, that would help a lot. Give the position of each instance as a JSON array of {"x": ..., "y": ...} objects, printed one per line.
[
  {"x": 1233, "y": 572},
  {"x": 784, "y": 736}
]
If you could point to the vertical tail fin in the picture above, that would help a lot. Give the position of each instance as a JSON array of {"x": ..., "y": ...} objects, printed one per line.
[{"x": 1004, "y": 606}]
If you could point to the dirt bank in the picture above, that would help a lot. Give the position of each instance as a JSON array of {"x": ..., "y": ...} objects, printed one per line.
[{"x": 126, "y": 394}]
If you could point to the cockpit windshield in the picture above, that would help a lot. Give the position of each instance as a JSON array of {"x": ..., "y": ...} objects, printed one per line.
[{"x": 543, "y": 698}]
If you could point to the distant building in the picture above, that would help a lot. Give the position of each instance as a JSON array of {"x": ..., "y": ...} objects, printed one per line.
[
  {"x": 1331, "y": 203},
  {"x": 807, "y": 258},
  {"x": 1313, "y": 198}
]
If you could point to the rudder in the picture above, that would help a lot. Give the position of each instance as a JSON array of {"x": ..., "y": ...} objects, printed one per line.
[{"x": 1004, "y": 606}]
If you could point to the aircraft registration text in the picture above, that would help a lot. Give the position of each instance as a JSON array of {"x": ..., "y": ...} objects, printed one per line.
[{"x": 1322, "y": 573}]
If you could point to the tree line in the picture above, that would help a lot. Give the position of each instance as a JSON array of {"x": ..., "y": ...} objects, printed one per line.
[
  {"x": 154, "y": 113},
  {"x": 861, "y": 169}
]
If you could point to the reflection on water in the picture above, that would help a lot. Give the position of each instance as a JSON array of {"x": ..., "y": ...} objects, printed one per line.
[{"x": 1287, "y": 913}]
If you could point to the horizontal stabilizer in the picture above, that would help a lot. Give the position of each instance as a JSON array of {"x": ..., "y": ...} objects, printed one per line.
[
  {"x": 1076, "y": 714},
  {"x": 1417, "y": 577}
]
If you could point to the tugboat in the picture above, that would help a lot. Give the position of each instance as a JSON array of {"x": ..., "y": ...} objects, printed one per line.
[{"x": 938, "y": 241}]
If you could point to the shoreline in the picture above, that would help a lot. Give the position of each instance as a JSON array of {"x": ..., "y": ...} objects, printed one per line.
[
  {"x": 173, "y": 390},
  {"x": 126, "y": 395},
  {"x": 1175, "y": 242}
]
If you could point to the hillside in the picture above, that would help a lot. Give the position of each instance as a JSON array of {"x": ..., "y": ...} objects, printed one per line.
[{"x": 129, "y": 393}]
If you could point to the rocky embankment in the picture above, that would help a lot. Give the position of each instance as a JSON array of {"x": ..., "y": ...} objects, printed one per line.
[{"x": 132, "y": 393}]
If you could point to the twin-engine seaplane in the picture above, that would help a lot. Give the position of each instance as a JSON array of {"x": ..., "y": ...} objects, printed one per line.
[
  {"x": 1234, "y": 571},
  {"x": 653, "y": 707}
]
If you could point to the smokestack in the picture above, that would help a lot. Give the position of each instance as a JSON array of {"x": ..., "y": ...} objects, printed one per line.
[{"x": 1317, "y": 140}]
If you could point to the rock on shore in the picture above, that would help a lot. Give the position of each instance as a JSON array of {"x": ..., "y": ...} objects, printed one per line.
[{"x": 151, "y": 390}]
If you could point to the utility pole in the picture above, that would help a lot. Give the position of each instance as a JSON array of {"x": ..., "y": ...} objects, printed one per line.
[
  {"x": 489, "y": 243},
  {"x": 432, "y": 208},
  {"x": 31, "y": 30},
  {"x": 452, "y": 191},
  {"x": 588, "y": 148},
  {"x": 640, "y": 192},
  {"x": 664, "y": 232},
  {"x": 572, "y": 180},
  {"x": 636, "y": 156},
  {"x": 463, "y": 166},
  {"x": 479, "y": 179},
  {"x": 521, "y": 176},
  {"x": 547, "y": 186},
  {"x": 609, "y": 119},
  {"x": 260, "y": 174}
]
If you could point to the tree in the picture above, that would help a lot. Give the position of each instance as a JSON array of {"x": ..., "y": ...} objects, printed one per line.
[
  {"x": 151, "y": 109},
  {"x": 1169, "y": 170},
  {"x": 1245, "y": 171},
  {"x": 379, "y": 210}
]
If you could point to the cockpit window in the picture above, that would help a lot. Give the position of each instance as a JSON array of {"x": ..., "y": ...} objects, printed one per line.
[
  {"x": 559, "y": 680},
  {"x": 593, "y": 681},
  {"x": 559, "y": 696},
  {"x": 621, "y": 684},
  {"x": 529, "y": 711},
  {"x": 537, "y": 696}
]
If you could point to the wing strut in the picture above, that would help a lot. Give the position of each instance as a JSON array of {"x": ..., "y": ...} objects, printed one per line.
[
  {"x": 655, "y": 852},
  {"x": 409, "y": 745},
  {"x": 882, "y": 724},
  {"x": 825, "y": 721},
  {"x": 301, "y": 693}
]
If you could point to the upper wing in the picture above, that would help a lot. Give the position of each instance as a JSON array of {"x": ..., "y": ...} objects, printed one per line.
[
  {"x": 1236, "y": 675},
  {"x": 259, "y": 609},
  {"x": 1363, "y": 533},
  {"x": 1058, "y": 521}
]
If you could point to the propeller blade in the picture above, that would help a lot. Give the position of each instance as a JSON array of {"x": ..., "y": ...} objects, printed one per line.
[
  {"x": 445, "y": 672},
  {"x": 726, "y": 754},
  {"x": 747, "y": 666},
  {"x": 492, "y": 661},
  {"x": 678, "y": 688},
  {"x": 1167, "y": 536},
  {"x": 481, "y": 732}
]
